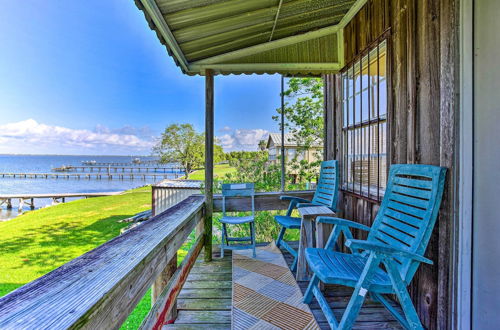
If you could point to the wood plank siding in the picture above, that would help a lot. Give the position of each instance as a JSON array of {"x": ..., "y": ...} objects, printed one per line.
[{"x": 422, "y": 38}]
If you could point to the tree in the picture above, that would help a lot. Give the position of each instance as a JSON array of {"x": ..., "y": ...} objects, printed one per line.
[
  {"x": 219, "y": 155},
  {"x": 181, "y": 143},
  {"x": 262, "y": 145},
  {"x": 304, "y": 114}
]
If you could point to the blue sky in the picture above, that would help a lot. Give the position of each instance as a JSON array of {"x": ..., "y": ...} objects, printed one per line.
[{"x": 91, "y": 77}]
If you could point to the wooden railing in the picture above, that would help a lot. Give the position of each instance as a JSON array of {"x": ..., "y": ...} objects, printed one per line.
[
  {"x": 165, "y": 195},
  {"x": 100, "y": 289},
  {"x": 264, "y": 201}
]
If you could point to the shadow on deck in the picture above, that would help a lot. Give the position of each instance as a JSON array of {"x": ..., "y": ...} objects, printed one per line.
[{"x": 205, "y": 299}]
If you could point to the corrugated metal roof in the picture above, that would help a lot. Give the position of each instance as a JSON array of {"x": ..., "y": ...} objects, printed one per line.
[
  {"x": 289, "y": 140},
  {"x": 250, "y": 36},
  {"x": 179, "y": 184}
]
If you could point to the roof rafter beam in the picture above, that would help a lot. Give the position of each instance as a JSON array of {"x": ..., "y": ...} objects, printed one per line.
[
  {"x": 154, "y": 12},
  {"x": 356, "y": 7},
  {"x": 263, "y": 67},
  {"x": 351, "y": 13},
  {"x": 269, "y": 46},
  {"x": 276, "y": 20}
]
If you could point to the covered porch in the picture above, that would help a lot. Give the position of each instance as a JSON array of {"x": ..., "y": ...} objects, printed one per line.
[
  {"x": 294, "y": 38},
  {"x": 101, "y": 288}
]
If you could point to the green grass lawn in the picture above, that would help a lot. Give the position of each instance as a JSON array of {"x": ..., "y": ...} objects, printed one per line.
[
  {"x": 39, "y": 241},
  {"x": 219, "y": 172}
]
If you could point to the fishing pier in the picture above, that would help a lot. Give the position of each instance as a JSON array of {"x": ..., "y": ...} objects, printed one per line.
[
  {"x": 95, "y": 175},
  {"x": 134, "y": 163},
  {"x": 116, "y": 169},
  {"x": 29, "y": 199}
]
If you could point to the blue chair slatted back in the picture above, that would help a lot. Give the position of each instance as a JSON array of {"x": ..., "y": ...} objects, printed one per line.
[
  {"x": 237, "y": 190},
  {"x": 408, "y": 211},
  {"x": 328, "y": 184}
]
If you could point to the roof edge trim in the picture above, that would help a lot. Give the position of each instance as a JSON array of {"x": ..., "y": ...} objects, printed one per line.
[
  {"x": 155, "y": 14},
  {"x": 265, "y": 67}
]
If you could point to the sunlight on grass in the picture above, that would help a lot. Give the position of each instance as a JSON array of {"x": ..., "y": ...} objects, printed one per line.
[
  {"x": 220, "y": 172},
  {"x": 42, "y": 240}
]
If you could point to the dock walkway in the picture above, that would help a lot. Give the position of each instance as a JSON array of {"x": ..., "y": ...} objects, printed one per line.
[
  {"x": 98, "y": 176},
  {"x": 29, "y": 199},
  {"x": 141, "y": 163},
  {"x": 116, "y": 169}
]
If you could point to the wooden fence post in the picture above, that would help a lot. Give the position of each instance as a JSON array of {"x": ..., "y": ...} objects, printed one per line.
[
  {"x": 209, "y": 160},
  {"x": 161, "y": 282}
]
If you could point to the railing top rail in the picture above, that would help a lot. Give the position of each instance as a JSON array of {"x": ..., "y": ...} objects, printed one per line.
[
  {"x": 101, "y": 287},
  {"x": 179, "y": 184},
  {"x": 264, "y": 201}
]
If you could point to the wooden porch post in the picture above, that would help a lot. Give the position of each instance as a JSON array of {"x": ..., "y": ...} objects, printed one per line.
[
  {"x": 283, "y": 169},
  {"x": 209, "y": 160}
]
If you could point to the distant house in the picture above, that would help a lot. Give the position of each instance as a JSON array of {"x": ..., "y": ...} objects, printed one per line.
[{"x": 292, "y": 149}]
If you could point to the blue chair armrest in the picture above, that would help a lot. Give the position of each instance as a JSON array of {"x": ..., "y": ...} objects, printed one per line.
[
  {"x": 390, "y": 251},
  {"x": 299, "y": 205},
  {"x": 293, "y": 198},
  {"x": 343, "y": 222},
  {"x": 293, "y": 202}
]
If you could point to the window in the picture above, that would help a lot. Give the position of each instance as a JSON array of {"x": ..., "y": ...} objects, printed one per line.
[
  {"x": 301, "y": 155},
  {"x": 272, "y": 153},
  {"x": 291, "y": 153},
  {"x": 364, "y": 129}
]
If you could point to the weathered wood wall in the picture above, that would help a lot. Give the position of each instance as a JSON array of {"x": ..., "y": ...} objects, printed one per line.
[{"x": 422, "y": 38}]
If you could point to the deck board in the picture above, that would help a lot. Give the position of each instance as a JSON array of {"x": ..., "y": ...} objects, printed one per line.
[{"x": 205, "y": 299}]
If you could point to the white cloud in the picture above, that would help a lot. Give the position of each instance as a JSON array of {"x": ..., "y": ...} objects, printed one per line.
[
  {"x": 242, "y": 139},
  {"x": 29, "y": 136},
  {"x": 143, "y": 132},
  {"x": 226, "y": 141},
  {"x": 226, "y": 129}
]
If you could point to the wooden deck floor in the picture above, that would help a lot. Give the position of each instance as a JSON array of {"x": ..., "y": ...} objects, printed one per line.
[{"x": 205, "y": 300}]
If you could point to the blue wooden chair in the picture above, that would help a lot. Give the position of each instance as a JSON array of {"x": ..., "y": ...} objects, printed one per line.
[
  {"x": 237, "y": 190},
  {"x": 325, "y": 195},
  {"x": 397, "y": 240}
]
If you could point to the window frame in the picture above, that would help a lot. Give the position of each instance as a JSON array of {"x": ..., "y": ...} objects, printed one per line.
[
  {"x": 366, "y": 191},
  {"x": 272, "y": 153}
]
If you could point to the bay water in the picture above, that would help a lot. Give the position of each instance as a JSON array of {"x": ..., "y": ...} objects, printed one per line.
[{"x": 45, "y": 164}]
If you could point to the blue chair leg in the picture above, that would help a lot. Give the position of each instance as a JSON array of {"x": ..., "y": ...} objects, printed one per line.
[
  {"x": 282, "y": 244},
  {"x": 223, "y": 234},
  {"x": 294, "y": 265},
  {"x": 252, "y": 234},
  {"x": 378, "y": 297},
  {"x": 309, "y": 292},
  {"x": 358, "y": 296},
  {"x": 280, "y": 236},
  {"x": 403, "y": 296}
]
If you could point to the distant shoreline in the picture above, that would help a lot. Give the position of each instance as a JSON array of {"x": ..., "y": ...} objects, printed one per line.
[{"x": 77, "y": 155}]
